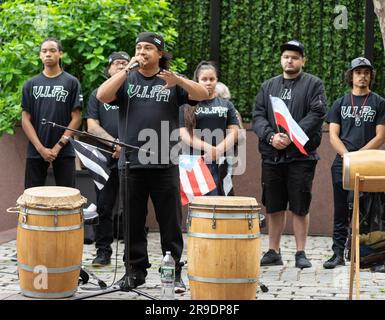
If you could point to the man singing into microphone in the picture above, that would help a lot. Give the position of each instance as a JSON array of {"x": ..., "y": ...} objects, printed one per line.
[
  {"x": 149, "y": 96},
  {"x": 54, "y": 95}
]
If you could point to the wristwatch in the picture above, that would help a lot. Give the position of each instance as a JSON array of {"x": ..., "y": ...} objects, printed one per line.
[{"x": 61, "y": 143}]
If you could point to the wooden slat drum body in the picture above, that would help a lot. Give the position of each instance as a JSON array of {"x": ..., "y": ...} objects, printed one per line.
[
  {"x": 223, "y": 248},
  {"x": 50, "y": 237},
  {"x": 366, "y": 163}
]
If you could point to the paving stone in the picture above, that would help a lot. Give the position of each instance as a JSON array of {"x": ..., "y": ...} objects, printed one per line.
[{"x": 283, "y": 282}]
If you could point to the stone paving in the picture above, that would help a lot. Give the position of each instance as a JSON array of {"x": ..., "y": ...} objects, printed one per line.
[{"x": 284, "y": 282}]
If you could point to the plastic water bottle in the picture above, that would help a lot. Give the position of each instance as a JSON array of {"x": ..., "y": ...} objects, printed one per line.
[{"x": 167, "y": 277}]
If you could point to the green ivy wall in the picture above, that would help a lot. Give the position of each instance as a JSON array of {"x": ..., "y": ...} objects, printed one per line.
[{"x": 252, "y": 31}]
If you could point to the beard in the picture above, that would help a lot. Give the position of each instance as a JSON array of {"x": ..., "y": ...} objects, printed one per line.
[{"x": 292, "y": 70}]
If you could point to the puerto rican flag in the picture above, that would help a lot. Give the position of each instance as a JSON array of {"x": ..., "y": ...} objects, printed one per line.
[
  {"x": 286, "y": 121},
  {"x": 195, "y": 178}
]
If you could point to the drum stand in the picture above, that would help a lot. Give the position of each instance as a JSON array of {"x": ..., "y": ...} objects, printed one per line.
[{"x": 364, "y": 184}]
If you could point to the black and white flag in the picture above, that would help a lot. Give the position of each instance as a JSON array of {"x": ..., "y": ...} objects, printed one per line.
[{"x": 93, "y": 160}]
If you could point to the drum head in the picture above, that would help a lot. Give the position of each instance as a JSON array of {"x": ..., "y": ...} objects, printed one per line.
[
  {"x": 51, "y": 197},
  {"x": 219, "y": 202}
]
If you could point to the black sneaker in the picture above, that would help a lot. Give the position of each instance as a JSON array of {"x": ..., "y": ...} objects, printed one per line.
[
  {"x": 334, "y": 261},
  {"x": 103, "y": 258},
  {"x": 301, "y": 261},
  {"x": 137, "y": 277},
  {"x": 179, "y": 286},
  {"x": 272, "y": 258}
]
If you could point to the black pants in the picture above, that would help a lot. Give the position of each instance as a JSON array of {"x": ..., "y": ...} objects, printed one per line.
[
  {"x": 104, "y": 231},
  {"x": 63, "y": 170},
  {"x": 342, "y": 213},
  {"x": 162, "y": 186}
]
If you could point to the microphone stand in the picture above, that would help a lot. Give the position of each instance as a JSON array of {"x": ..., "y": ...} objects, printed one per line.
[
  {"x": 95, "y": 137},
  {"x": 127, "y": 282}
]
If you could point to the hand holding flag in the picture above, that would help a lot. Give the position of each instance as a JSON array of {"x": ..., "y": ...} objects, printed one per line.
[{"x": 284, "y": 119}]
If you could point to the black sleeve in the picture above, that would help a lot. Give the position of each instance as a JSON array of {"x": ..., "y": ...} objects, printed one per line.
[
  {"x": 92, "y": 107},
  {"x": 334, "y": 114},
  {"x": 76, "y": 95},
  {"x": 313, "y": 120},
  {"x": 182, "y": 96},
  {"x": 26, "y": 97},
  {"x": 261, "y": 124},
  {"x": 121, "y": 95},
  {"x": 231, "y": 115},
  {"x": 380, "y": 119}
]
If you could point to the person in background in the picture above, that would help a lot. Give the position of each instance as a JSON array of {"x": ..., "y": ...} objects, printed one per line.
[
  {"x": 102, "y": 121},
  {"x": 215, "y": 114},
  {"x": 56, "y": 96},
  {"x": 287, "y": 174},
  {"x": 357, "y": 122}
]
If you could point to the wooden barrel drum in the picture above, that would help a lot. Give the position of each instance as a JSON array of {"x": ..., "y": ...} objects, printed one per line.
[
  {"x": 223, "y": 248},
  {"x": 366, "y": 163},
  {"x": 50, "y": 237}
]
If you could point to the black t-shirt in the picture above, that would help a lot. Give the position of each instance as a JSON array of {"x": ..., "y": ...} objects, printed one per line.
[
  {"x": 52, "y": 99},
  {"x": 215, "y": 115},
  {"x": 152, "y": 115},
  {"x": 108, "y": 117},
  {"x": 106, "y": 114},
  {"x": 358, "y": 123}
]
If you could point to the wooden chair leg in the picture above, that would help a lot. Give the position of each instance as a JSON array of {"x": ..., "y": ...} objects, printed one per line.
[{"x": 355, "y": 242}]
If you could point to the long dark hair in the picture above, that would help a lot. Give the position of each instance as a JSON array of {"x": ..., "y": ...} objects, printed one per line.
[
  {"x": 349, "y": 77},
  {"x": 59, "y": 46},
  {"x": 164, "y": 62},
  {"x": 189, "y": 111}
]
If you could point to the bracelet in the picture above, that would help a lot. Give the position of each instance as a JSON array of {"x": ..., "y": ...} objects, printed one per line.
[
  {"x": 271, "y": 139},
  {"x": 61, "y": 143},
  {"x": 114, "y": 146}
]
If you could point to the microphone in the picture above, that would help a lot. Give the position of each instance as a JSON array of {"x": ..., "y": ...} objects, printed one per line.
[{"x": 134, "y": 65}]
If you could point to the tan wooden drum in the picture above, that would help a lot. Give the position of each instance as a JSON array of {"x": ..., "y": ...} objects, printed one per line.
[
  {"x": 366, "y": 163},
  {"x": 50, "y": 237},
  {"x": 223, "y": 248}
]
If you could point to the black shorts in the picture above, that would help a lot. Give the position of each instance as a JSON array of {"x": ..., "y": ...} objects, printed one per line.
[{"x": 288, "y": 183}]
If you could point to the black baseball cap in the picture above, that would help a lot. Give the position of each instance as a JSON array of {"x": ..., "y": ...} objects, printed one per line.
[
  {"x": 151, "y": 37},
  {"x": 293, "y": 45},
  {"x": 120, "y": 55},
  {"x": 360, "y": 62}
]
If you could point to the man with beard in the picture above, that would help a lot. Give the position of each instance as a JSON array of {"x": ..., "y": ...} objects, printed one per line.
[
  {"x": 357, "y": 122},
  {"x": 287, "y": 174}
]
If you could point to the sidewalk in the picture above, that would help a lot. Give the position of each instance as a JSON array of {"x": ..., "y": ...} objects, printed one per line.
[{"x": 284, "y": 282}]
